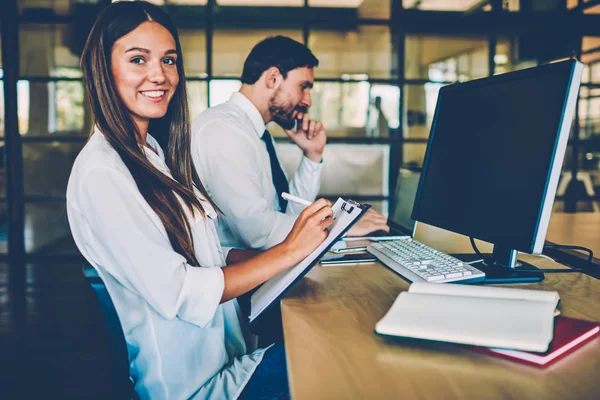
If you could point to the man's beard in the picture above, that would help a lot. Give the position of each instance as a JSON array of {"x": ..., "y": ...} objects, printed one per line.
[{"x": 282, "y": 114}]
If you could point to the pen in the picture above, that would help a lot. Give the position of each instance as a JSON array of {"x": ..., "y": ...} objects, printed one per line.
[
  {"x": 295, "y": 199},
  {"x": 349, "y": 249}
]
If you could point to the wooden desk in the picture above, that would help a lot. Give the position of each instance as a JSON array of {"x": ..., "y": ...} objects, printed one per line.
[
  {"x": 582, "y": 229},
  {"x": 333, "y": 352}
]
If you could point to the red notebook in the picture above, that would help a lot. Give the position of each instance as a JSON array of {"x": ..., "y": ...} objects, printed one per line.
[{"x": 569, "y": 334}]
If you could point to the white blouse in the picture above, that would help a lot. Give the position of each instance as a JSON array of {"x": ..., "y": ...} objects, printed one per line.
[{"x": 182, "y": 343}]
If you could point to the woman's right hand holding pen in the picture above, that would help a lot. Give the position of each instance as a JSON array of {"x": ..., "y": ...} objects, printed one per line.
[{"x": 309, "y": 231}]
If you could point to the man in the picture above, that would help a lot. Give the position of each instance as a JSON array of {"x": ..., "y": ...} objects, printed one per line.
[{"x": 235, "y": 154}]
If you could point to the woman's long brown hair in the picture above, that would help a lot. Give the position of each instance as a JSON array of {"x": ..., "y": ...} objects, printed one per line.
[{"x": 114, "y": 120}]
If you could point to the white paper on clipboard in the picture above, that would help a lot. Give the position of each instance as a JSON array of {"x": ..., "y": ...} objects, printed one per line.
[{"x": 345, "y": 212}]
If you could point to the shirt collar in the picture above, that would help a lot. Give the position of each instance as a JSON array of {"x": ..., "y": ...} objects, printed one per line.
[
  {"x": 250, "y": 110},
  {"x": 150, "y": 141}
]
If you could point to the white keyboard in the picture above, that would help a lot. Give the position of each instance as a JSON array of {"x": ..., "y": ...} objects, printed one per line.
[{"x": 420, "y": 263}]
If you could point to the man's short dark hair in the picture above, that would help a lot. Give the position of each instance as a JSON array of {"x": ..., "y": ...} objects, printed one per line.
[{"x": 277, "y": 51}]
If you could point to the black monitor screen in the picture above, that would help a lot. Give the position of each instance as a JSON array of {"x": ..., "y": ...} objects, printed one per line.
[{"x": 490, "y": 154}]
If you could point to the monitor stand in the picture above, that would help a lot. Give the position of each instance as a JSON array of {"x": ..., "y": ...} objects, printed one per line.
[{"x": 505, "y": 268}]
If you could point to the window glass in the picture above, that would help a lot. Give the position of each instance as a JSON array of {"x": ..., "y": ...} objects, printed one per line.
[
  {"x": 595, "y": 72},
  {"x": 349, "y": 168},
  {"x": 232, "y": 46},
  {"x": 193, "y": 47},
  {"x": 341, "y": 106},
  {"x": 590, "y": 50},
  {"x": 47, "y": 229},
  {"x": 261, "y": 3},
  {"x": 443, "y": 58},
  {"x": 366, "y": 51},
  {"x": 444, "y": 5},
  {"x": 413, "y": 154},
  {"x": 507, "y": 59},
  {"x": 419, "y": 105},
  {"x": 55, "y": 107},
  {"x": 384, "y": 110},
  {"x": 222, "y": 89},
  {"x": 44, "y": 50},
  {"x": 379, "y": 9},
  {"x": 589, "y": 113},
  {"x": 61, "y": 7},
  {"x": 46, "y": 167},
  {"x": 512, "y": 5},
  {"x": 188, "y": 2},
  {"x": 197, "y": 97}
]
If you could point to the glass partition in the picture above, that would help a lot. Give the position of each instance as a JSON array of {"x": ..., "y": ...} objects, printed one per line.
[
  {"x": 366, "y": 51},
  {"x": 347, "y": 168},
  {"x": 447, "y": 59},
  {"x": 47, "y": 229},
  {"x": 341, "y": 106},
  {"x": 193, "y": 47},
  {"x": 419, "y": 109},
  {"x": 445, "y": 5},
  {"x": 379, "y": 9},
  {"x": 222, "y": 89},
  {"x": 262, "y": 3},
  {"x": 197, "y": 97},
  {"x": 60, "y": 7},
  {"x": 507, "y": 58},
  {"x": 413, "y": 155},
  {"x": 46, "y": 167},
  {"x": 232, "y": 46}
]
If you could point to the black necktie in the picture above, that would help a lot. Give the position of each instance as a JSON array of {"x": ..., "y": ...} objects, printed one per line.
[{"x": 279, "y": 179}]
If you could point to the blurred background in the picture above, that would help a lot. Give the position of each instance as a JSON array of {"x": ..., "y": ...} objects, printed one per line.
[{"x": 382, "y": 63}]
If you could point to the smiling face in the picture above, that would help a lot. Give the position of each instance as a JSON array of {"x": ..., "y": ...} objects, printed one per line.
[
  {"x": 292, "y": 96},
  {"x": 143, "y": 65}
]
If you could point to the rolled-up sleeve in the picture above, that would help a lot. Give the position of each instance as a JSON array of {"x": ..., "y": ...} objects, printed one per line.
[
  {"x": 128, "y": 240},
  {"x": 305, "y": 184}
]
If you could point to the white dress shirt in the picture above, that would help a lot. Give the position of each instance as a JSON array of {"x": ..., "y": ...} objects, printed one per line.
[
  {"x": 182, "y": 343},
  {"x": 234, "y": 164}
]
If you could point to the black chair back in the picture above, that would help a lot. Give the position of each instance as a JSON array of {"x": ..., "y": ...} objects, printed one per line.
[{"x": 122, "y": 383}]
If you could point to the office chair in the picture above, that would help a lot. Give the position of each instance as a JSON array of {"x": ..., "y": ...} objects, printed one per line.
[{"x": 119, "y": 358}]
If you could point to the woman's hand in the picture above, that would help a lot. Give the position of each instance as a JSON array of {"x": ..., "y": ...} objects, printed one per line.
[{"x": 309, "y": 231}]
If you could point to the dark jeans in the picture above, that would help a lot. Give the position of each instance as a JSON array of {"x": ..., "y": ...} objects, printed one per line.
[{"x": 269, "y": 380}]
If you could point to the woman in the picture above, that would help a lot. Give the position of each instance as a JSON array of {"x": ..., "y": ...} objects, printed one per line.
[{"x": 146, "y": 223}]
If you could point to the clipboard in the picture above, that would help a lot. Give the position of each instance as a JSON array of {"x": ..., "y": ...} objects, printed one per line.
[{"x": 263, "y": 300}]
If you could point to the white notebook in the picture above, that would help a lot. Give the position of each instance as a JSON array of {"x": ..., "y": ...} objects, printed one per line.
[
  {"x": 508, "y": 318},
  {"x": 346, "y": 213}
]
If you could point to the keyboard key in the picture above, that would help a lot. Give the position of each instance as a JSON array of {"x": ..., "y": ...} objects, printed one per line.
[
  {"x": 435, "y": 278},
  {"x": 410, "y": 257}
]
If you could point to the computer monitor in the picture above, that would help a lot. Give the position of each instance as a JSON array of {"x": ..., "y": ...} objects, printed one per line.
[
  {"x": 401, "y": 204},
  {"x": 494, "y": 158}
]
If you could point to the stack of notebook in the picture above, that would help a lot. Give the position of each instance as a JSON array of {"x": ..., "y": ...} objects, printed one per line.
[
  {"x": 516, "y": 323},
  {"x": 569, "y": 334}
]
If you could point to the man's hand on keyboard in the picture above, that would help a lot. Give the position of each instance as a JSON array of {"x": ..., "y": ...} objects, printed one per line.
[{"x": 370, "y": 222}]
